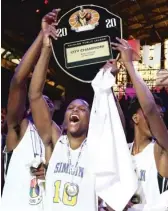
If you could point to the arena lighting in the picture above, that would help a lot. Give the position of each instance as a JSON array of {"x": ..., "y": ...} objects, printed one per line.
[
  {"x": 52, "y": 83},
  {"x": 5, "y": 53},
  {"x": 16, "y": 61},
  {"x": 46, "y": 2},
  {"x": 9, "y": 56},
  {"x": 2, "y": 50}
]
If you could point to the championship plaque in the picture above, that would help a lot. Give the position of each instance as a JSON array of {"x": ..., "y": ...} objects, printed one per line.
[{"x": 83, "y": 46}]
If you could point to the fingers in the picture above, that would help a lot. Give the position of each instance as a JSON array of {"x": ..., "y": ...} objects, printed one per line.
[
  {"x": 51, "y": 32},
  {"x": 32, "y": 170},
  {"x": 52, "y": 27},
  {"x": 55, "y": 24},
  {"x": 119, "y": 47},
  {"x": 123, "y": 42},
  {"x": 53, "y": 35},
  {"x": 122, "y": 45},
  {"x": 49, "y": 16},
  {"x": 56, "y": 11},
  {"x": 116, "y": 46},
  {"x": 112, "y": 61},
  {"x": 52, "y": 15},
  {"x": 39, "y": 173}
]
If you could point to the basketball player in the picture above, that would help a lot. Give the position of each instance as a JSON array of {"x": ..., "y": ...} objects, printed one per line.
[
  {"x": 23, "y": 145},
  {"x": 69, "y": 186},
  {"x": 66, "y": 182},
  {"x": 150, "y": 157}
]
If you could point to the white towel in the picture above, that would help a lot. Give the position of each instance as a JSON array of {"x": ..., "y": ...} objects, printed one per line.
[{"x": 110, "y": 159}]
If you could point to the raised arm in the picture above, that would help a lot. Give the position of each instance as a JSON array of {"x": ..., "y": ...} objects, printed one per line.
[
  {"x": 18, "y": 91},
  {"x": 40, "y": 110},
  {"x": 144, "y": 95}
]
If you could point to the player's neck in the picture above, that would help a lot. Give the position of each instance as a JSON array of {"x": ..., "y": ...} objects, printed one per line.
[
  {"x": 75, "y": 142},
  {"x": 140, "y": 142}
]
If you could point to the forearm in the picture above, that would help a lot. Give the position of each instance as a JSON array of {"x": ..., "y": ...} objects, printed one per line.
[
  {"x": 42, "y": 121},
  {"x": 143, "y": 93},
  {"x": 16, "y": 105},
  {"x": 28, "y": 62},
  {"x": 39, "y": 75}
]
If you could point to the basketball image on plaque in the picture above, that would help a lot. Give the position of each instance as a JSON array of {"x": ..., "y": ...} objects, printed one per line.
[{"x": 83, "y": 46}]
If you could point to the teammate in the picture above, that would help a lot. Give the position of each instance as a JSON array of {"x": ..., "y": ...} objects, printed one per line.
[
  {"x": 69, "y": 186},
  {"x": 150, "y": 157},
  {"x": 24, "y": 147}
]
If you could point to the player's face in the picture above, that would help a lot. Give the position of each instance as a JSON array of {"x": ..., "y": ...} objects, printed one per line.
[
  {"x": 77, "y": 118},
  {"x": 142, "y": 124}
]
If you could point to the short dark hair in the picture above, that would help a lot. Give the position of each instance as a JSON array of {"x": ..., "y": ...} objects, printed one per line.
[
  {"x": 81, "y": 99},
  {"x": 134, "y": 105},
  {"x": 85, "y": 102}
]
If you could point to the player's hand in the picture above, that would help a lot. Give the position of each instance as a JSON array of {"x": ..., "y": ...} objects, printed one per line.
[
  {"x": 48, "y": 25},
  {"x": 49, "y": 19},
  {"x": 125, "y": 50},
  {"x": 39, "y": 172},
  {"x": 111, "y": 64}
]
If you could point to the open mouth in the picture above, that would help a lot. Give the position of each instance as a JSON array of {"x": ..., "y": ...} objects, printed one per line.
[{"x": 74, "y": 118}]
